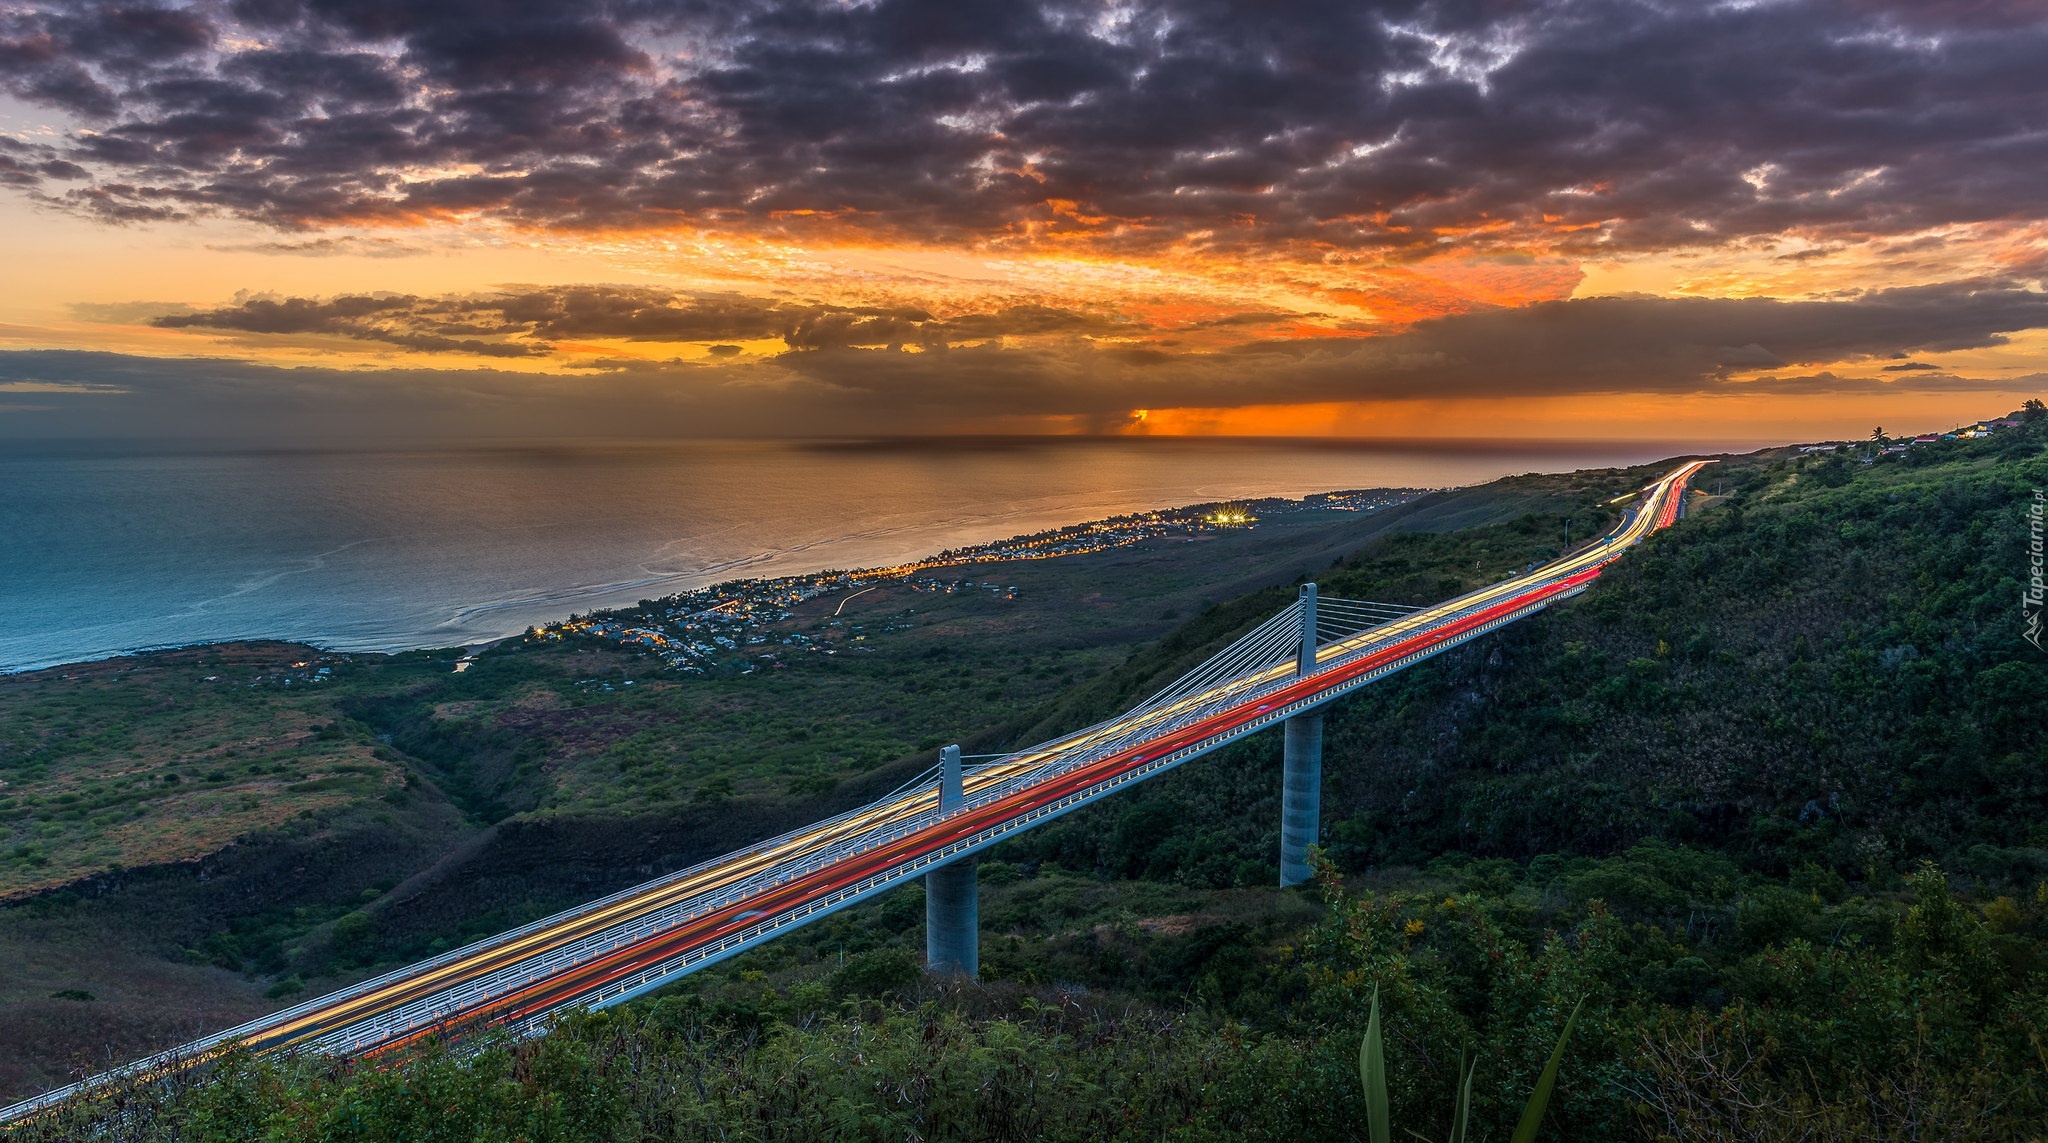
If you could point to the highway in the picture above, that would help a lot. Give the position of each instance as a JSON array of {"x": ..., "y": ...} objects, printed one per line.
[{"x": 647, "y": 936}]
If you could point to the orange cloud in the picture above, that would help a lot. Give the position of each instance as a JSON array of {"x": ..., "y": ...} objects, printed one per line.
[
  {"x": 1403, "y": 294},
  {"x": 1738, "y": 420}
]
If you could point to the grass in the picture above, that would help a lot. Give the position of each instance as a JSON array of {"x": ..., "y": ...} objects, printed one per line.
[{"x": 168, "y": 758}]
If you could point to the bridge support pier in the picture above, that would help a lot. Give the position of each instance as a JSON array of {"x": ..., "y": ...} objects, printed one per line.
[
  {"x": 1301, "y": 779},
  {"x": 952, "y": 900},
  {"x": 1301, "y": 795}
]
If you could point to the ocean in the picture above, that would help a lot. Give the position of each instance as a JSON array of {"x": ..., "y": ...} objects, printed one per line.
[{"x": 104, "y": 552}]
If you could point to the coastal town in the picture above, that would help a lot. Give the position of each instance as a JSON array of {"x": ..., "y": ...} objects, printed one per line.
[
  {"x": 1880, "y": 445},
  {"x": 742, "y": 625}
]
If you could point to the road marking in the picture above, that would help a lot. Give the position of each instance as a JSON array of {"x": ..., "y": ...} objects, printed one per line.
[{"x": 851, "y": 598}]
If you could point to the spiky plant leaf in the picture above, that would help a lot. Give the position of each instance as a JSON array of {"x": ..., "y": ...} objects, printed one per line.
[
  {"x": 1372, "y": 1071},
  {"x": 1462, "y": 1113},
  {"x": 1532, "y": 1115}
]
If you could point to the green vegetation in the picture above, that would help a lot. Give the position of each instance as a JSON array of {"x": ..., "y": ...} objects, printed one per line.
[
  {"x": 199, "y": 835},
  {"x": 1372, "y": 1072},
  {"x": 1903, "y": 1017},
  {"x": 141, "y": 762},
  {"x": 1765, "y": 810}
]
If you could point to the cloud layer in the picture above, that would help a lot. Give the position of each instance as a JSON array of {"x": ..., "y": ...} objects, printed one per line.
[
  {"x": 1583, "y": 345},
  {"x": 826, "y": 386},
  {"x": 529, "y": 322},
  {"x": 1331, "y": 127}
]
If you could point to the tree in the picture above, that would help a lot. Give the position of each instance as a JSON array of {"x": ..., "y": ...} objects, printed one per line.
[{"x": 2033, "y": 409}]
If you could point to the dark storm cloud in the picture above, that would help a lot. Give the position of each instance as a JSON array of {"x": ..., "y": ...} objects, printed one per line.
[
  {"x": 1635, "y": 344},
  {"x": 26, "y": 165},
  {"x": 1584, "y": 347},
  {"x": 526, "y": 322},
  {"x": 412, "y": 323},
  {"x": 1570, "y": 348},
  {"x": 1651, "y": 344},
  {"x": 1335, "y": 122}
]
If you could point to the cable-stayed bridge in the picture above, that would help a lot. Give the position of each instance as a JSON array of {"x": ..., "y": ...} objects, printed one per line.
[{"x": 1283, "y": 671}]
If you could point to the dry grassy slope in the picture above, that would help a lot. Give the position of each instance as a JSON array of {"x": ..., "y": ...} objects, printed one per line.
[
  {"x": 74, "y": 1002},
  {"x": 164, "y": 758}
]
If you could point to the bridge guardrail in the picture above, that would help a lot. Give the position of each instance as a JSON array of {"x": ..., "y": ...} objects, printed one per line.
[{"x": 820, "y": 845}]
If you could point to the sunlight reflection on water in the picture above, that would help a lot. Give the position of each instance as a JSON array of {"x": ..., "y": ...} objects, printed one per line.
[{"x": 384, "y": 550}]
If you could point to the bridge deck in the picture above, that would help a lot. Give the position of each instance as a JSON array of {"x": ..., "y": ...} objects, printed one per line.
[{"x": 618, "y": 947}]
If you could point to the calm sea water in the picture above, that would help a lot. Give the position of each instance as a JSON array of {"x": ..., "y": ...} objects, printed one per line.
[{"x": 384, "y": 550}]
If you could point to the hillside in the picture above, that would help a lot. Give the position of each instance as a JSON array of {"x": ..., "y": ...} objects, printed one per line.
[
  {"x": 1826, "y": 665},
  {"x": 191, "y": 837},
  {"x": 1769, "y": 800}
]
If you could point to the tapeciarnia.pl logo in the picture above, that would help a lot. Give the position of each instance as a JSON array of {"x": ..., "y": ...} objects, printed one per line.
[{"x": 2037, "y": 592}]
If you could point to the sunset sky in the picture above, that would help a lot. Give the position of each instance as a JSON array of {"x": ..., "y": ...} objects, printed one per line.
[{"x": 315, "y": 220}]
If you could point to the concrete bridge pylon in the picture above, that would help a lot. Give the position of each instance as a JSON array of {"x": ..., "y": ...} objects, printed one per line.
[
  {"x": 1301, "y": 781},
  {"x": 952, "y": 904}
]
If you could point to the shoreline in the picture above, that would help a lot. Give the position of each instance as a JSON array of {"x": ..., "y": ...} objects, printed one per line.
[
  {"x": 1077, "y": 537},
  {"x": 470, "y": 547}
]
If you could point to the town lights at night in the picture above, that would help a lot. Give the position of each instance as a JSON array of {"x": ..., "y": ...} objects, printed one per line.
[{"x": 1231, "y": 516}]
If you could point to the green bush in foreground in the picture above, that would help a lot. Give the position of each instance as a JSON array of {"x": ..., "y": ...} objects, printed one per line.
[{"x": 1925, "y": 1024}]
